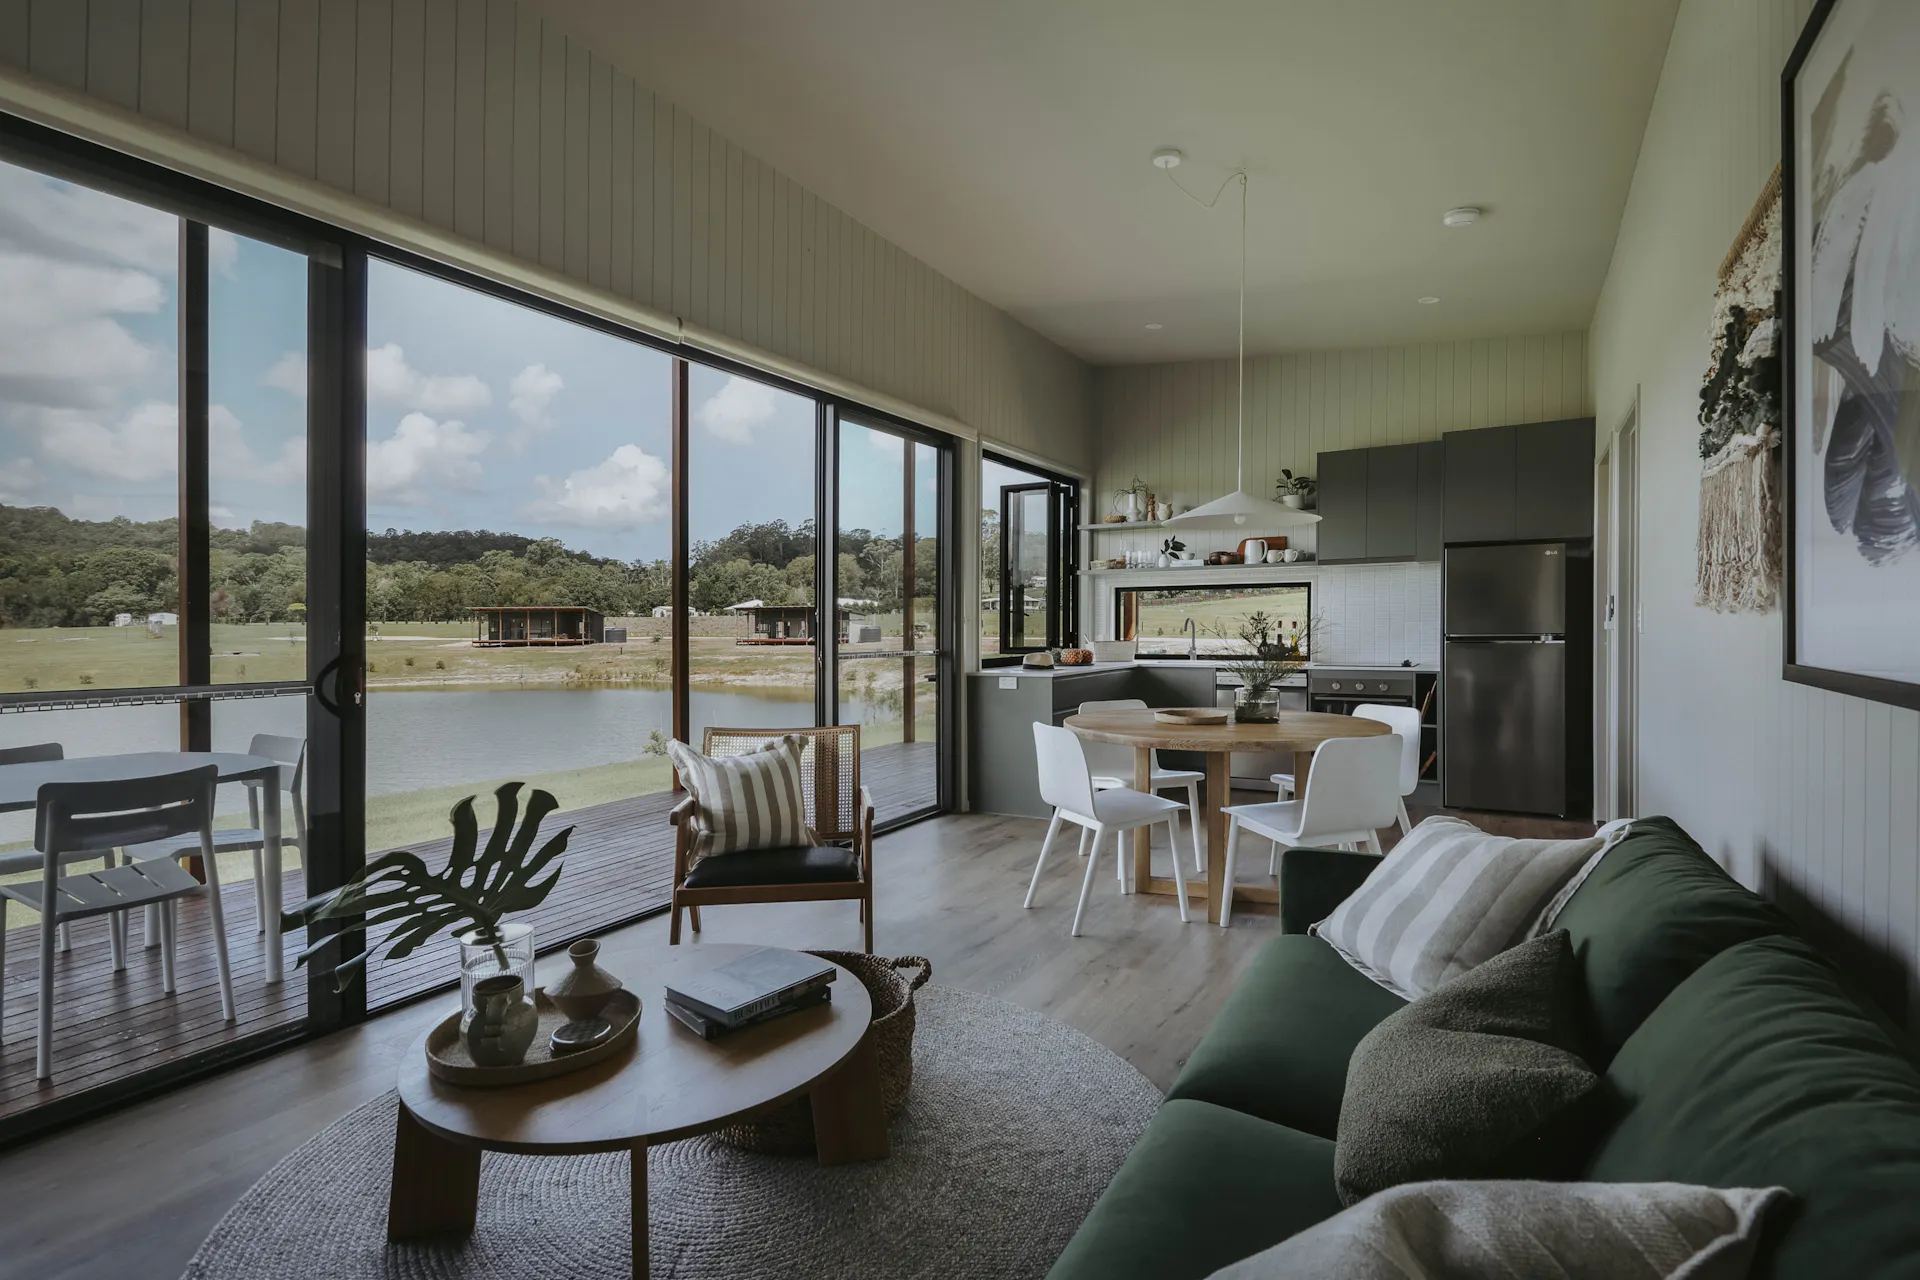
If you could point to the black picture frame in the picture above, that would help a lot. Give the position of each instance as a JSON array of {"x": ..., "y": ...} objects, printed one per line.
[{"x": 1873, "y": 688}]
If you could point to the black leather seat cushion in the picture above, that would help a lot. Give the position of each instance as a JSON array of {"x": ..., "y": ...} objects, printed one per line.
[{"x": 821, "y": 864}]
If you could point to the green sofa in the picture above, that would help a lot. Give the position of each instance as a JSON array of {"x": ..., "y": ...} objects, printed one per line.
[{"x": 1734, "y": 1054}]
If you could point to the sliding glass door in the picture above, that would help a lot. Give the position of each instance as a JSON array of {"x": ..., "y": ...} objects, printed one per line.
[{"x": 891, "y": 611}]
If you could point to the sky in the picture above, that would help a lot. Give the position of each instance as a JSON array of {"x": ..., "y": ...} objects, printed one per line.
[{"x": 480, "y": 413}]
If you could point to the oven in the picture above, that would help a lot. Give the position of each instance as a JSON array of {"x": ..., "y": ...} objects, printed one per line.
[{"x": 1338, "y": 690}]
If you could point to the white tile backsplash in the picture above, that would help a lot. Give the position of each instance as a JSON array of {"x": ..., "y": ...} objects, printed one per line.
[{"x": 1379, "y": 614}]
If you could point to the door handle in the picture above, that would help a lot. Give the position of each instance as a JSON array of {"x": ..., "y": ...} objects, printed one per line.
[{"x": 334, "y": 667}]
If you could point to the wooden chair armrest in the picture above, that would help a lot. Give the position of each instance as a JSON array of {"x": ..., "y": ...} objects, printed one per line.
[
  {"x": 681, "y": 814},
  {"x": 865, "y": 842}
]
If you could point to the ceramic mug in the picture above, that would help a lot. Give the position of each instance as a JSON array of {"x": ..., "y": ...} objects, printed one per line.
[
  {"x": 1289, "y": 555},
  {"x": 1276, "y": 556}
]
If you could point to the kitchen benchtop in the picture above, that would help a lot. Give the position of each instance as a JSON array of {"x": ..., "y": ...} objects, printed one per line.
[{"x": 1196, "y": 663}]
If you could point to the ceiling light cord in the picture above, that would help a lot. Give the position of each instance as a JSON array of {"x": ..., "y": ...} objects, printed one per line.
[{"x": 1240, "y": 417}]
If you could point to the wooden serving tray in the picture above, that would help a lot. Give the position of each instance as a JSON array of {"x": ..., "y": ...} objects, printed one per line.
[
  {"x": 448, "y": 1060},
  {"x": 1191, "y": 715}
]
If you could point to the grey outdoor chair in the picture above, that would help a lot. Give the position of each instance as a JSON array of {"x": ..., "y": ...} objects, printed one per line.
[{"x": 30, "y": 859}]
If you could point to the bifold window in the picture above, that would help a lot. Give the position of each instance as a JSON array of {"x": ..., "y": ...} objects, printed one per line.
[{"x": 1027, "y": 558}]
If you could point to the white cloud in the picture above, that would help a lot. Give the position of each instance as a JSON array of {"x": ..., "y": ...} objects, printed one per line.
[
  {"x": 224, "y": 518},
  {"x": 884, "y": 442},
  {"x": 288, "y": 374},
  {"x": 140, "y": 448},
  {"x": 391, "y": 380},
  {"x": 422, "y": 449},
  {"x": 51, "y": 218},
  {"x": 60, "y": 343},
  {"x": 108, "y": 506},
  {"x": 531, "y": 392},
  {"x": 232, "y": 458},
  {"x": 20, "y": 482},
  {"x": 732, "y": 412},
  {"x": 223, "y": 250},
  {"x": 630, "y": 487}
]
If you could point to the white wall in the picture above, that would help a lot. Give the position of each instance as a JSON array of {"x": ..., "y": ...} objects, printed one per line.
[
  {"x": 1173, "y": 426},
  {"x": 1807, "y": 794},
  {"x": 478, "y": 118}
]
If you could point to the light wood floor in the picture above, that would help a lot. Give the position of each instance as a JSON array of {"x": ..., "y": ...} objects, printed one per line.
[{"x": 132, "y": 1194}]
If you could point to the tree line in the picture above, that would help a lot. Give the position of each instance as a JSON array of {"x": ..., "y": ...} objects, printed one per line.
[{"x": 57, "y": 571}]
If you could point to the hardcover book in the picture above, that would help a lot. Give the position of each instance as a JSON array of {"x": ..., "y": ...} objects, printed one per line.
[
  {"x": 709, "y": 1029},
  {"x": 763, "y": 978}
]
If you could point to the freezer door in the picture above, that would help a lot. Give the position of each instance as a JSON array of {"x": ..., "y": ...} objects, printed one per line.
[
  {"x": 1504, "y": 726},
  {"x": 1516, "y": 590}
]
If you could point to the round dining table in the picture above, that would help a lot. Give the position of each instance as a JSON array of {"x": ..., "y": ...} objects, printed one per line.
[
  {"x": 20, "y": 789},
  {"x": 1299, "y": 733}
]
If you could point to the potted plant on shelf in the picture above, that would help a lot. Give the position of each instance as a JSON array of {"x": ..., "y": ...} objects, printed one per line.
[
  {"x": 1271, "y": 655},
  {"x": 1293, "y": 490},
  {"x": 470, "y": 895},
  {"x": 1170, "y": 551}
]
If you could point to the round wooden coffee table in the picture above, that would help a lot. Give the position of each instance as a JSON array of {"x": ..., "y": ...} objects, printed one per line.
[{"x": 669, "y": 1084}]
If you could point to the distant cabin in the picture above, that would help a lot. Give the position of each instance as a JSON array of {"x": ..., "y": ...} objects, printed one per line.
[
  {"x": 502, "y": 626},
  {"x": 783, "y": 623}
]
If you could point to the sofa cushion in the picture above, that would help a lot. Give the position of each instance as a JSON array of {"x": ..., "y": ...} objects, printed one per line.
[
  {"x": 1653, "y": 909},
  {"x": 1762, "y": 1069},
  {"x": 1481, "y": 1079},
  {"x": 1280, "y": 1046},
  {"x": 1203, "y": 1187},
  {"x": 800, "y": 864}
]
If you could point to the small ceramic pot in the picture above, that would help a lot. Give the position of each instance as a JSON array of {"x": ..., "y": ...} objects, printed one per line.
[
  {"x": 503, "y": 1024},
  {"x": 583, "y": 990},
  {"x": 1293, "y": 500},
  {"x": 1275, "y": 556}
]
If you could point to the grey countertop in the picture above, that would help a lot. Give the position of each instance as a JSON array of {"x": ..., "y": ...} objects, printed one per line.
[{"x": 1048, "y": 673}]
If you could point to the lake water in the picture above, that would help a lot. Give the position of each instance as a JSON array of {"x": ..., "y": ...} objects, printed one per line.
[{"x": 418, "y": 739}]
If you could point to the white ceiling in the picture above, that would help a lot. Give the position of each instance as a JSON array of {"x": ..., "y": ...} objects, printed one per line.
[{"x": 1006, "y": 143}]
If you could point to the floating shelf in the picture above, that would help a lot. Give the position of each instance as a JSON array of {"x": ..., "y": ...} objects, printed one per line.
[
  {"x": 1279, "y": 574},
  {"x": 1293, "y": 520}
]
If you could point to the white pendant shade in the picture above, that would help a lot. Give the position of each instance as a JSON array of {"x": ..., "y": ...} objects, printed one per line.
[{"x": 1243, "y": 508}]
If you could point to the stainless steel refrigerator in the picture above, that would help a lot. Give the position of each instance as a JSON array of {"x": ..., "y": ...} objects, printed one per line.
[{"x": 1512, "y": 637}]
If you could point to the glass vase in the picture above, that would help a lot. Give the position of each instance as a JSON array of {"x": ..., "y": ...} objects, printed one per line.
[
  {"x": 480, "y": 960},
  {"x": 1262, "y": 708}
]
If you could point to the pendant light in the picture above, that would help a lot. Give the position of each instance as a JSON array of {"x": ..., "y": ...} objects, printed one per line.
[{"x": 1238, "y": 507}]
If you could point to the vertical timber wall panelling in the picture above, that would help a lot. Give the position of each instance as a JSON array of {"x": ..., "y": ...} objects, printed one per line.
[
  {"x": 1805, "y": 794},
  {"x": 480, "y": 118}
]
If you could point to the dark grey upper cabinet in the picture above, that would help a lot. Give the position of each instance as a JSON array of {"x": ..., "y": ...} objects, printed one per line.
[
  {"x": 1427, "y": 540},
  {"x": 1343, "y": 505},
  {"x": 1479, "y": 503},
  {"x": 1393, "y": 483},
  {"x": 1553, "y": 480}
]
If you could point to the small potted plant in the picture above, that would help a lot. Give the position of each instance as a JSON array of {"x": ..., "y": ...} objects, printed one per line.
[
  {"x": 1170, "y": 551},
  {"x": 1293, "y": 490}
]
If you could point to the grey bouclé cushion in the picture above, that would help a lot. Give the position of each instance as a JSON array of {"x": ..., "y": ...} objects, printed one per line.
[
  {"x": 1523, "y": 1230},
  {"x": 1480, "y": 1079}
]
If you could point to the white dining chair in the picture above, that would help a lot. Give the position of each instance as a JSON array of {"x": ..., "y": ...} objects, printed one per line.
[
  {"x": 1404, "y": 721},
  {"x": 1067, "y": 785},
  {"x": 1112, "y": 767},
  {"x": 1351, "y": 793},
  {"x": 87, "y": 818},
  {"x": 30, "y": 859},
  {"x": 291, "y": 753}
]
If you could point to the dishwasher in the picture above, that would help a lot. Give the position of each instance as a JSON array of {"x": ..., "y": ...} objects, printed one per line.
[{"x": 1254, "y": 770}]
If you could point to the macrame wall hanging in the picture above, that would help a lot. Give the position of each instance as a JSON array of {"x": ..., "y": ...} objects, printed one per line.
[{"x": 1739, "y": 546}]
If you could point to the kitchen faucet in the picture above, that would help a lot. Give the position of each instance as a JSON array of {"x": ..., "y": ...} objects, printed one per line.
[{"x": 1193, "y": 640}]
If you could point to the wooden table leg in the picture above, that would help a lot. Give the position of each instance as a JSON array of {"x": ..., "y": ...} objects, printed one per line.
[
  {"x": 637, "y": 1191},
  {"x": 1219, "y": 796},
  {"x": 436, "y": 1183},
  {"x": 849, "y": 1120},
  {"x": 1142, "y": 836},
  {"x": 1302, "y": 761}
]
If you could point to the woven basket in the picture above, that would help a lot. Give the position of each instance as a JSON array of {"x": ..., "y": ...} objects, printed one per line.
[{"x": 788, "y": 1130}]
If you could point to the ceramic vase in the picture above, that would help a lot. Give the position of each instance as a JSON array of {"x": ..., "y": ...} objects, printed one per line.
[
  {"x": 501, "y": 1027},
  {"x": 1294, "y": 500},
  {"x": 583, "y": 991}
]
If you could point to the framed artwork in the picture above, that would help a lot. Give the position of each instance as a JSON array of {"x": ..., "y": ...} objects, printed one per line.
[{"x": 1850, "y": 156}]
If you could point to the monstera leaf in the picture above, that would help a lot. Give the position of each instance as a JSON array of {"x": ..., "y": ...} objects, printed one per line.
[{"x": 473, "y": 890}]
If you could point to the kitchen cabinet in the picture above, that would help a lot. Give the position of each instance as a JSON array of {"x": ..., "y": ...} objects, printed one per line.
[
  {"x": 1393, "y": 485},
  {"x": 1343, "y": 505},
  {"x": 1526, "y": 483},
  {"x": 1553, "y": 480},
  {"x": 1479, "y": 485},
  {"x": 1432, "y": 465}
]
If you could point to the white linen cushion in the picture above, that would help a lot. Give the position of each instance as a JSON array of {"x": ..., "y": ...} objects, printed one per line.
[
  {"x": 745, "y": 802},
  {"x": 1523, "y": 1230},
  {"x": 1449, "y": 897}
]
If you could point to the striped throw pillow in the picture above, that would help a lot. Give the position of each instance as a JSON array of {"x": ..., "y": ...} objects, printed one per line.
[
  {"x": 751, "y": 801},
  {"x": 1447, "y": 898}
]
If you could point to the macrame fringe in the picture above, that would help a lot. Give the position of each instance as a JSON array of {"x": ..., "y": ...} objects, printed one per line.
[{"x": 1739, "y": 566}]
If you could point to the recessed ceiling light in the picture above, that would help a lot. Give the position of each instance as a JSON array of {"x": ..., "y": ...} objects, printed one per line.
[
  {"x": 1153, "y": 326},
  {"x": 1464, "y": 216},
  {"x": 1168, "y": 158},
  {"x": 1426, "y": 302}
]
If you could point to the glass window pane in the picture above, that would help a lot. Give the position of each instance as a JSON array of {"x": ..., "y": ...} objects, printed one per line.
[
  {"x": 88, "y": 473},
  {"x": 750, "y": 479},
  {"x": 1157, "y": 618},
  {"x": 257, "y": 437},
  {"x": 1031, "y": 572}
]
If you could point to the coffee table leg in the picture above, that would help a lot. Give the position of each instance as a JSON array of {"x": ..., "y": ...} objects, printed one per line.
[
  {"x": 849, "y": 1122},
  {"x": 436, "y": 1184},
  {"x": 637, "y": 1189}
]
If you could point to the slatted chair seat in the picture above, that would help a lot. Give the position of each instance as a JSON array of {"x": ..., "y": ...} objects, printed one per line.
[
  {"x": 95, "y": 893},
  {"x": 838, "y": 809}
]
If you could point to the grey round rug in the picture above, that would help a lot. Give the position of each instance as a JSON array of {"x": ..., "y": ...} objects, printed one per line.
[{"x": 1015, "y": 1125}]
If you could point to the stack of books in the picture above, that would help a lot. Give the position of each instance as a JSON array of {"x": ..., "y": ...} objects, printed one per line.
[{"x": 765, "y": 983}]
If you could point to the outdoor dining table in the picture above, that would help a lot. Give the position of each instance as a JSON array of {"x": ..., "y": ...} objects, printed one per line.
[
  {"x": 1297, "y": 732},
  {"x": 20, "y": 787}
]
